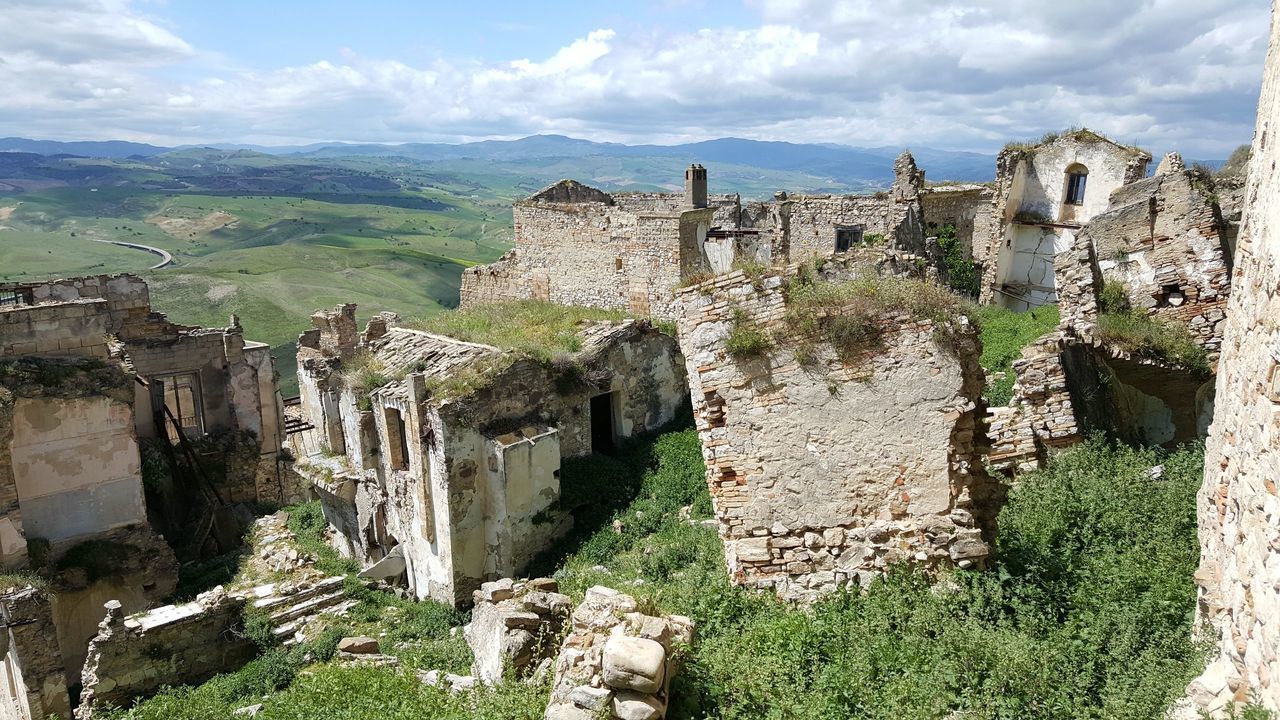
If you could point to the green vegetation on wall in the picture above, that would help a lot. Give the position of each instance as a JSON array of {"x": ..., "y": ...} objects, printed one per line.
[{"x": 961, "y": 272}]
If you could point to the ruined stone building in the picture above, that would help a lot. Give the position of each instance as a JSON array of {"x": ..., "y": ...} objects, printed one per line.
[
  {"x": 1162, "y": 240},
  {"x": 88, "y": 371},
  {"x": 826, "y": 464},
  {"x": 576, "y": 245},
  {"x": 1239, "y": 503},
  {"x": 446, "y": 464},
  {"x": 1044, "y": 194}
]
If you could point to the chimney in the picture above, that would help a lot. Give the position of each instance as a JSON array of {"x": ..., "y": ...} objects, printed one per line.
[{"x": 695, "y": 186}]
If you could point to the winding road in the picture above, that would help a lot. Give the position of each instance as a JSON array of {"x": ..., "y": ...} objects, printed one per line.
[{"x": 165, "y": 258}]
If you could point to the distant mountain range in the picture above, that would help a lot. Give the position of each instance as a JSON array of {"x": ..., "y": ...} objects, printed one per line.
[{"x": 841, "y": 163}]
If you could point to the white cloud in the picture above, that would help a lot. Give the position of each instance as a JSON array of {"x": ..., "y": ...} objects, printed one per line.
[{"x": 952, "y": 73}]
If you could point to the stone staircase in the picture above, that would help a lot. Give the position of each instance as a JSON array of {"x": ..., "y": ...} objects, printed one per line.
[{"x": 294, "y": 605}]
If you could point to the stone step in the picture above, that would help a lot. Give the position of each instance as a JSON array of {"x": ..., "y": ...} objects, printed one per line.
[
  {"x": 272, "y": 600},
  {"x": 288, "y": 631},
  {"x": 309, "y": 607}
]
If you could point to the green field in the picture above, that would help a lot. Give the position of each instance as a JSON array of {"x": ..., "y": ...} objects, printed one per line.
[{"x": 271, "y": 260}]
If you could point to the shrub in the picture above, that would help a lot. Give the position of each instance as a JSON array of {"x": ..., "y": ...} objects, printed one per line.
[
  {"x": 961, "y": 272},
  {"x": 1114, "y": 297},
  {"x": 746, "y": 339},
  {"x": 1004, "y": 333}
]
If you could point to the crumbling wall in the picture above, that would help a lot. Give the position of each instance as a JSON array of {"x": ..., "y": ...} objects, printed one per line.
[
  {"x": 32, "y": 686},
  {"x": 515, "y": 626},
  {"x": 69, "y": 463},
  {"x": 1239, "y": 501},
  {"x": 814, "y": 219},
  {"x": 823, "y": 475},
  {"x": 466, "y": 481},
  {"x": 906, "y": 212},
  {"x": 1164, "y": 239},
  {"x": 135, "y": 656},
  {"x": 966, "y": 207},
  {"x": 1041, "y": 416},
  {"x": 1032, "y": 221},
  {"x": 594, "y": 254}
]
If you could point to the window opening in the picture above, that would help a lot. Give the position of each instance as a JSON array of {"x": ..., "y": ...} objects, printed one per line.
[{"x": 847, "y": 237}]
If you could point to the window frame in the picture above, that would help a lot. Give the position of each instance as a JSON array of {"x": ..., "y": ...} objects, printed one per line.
[
  {"x": 1077, "y": 185},
  {"x": 170, "y": 388}
]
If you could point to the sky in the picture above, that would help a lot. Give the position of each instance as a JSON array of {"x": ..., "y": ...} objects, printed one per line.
[{"x": 953, "y": 74}]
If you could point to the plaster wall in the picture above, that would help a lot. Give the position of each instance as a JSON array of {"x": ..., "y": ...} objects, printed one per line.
[{"x": 77, "y": 466}]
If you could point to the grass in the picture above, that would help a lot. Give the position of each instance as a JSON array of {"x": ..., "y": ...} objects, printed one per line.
[
  {"x": 365, "y": 373},
  {"x": 746, "y": 340},
  {"x": 1154, "y": 339},
  {"x": 532, "y": 328},
  {"x": 1004, "y": 333},
  {"x": 851, "y": 315}
]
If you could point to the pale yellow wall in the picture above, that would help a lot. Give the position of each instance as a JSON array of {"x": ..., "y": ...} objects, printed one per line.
[{"x": 77, "y": 466}]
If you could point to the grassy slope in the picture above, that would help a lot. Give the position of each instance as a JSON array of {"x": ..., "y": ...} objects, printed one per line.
[{"x": 1004, "y": 334}]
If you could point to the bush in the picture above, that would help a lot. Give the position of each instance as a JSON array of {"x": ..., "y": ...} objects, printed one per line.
[
  {"x": 746, "y": 340},
  {"x": 1114, "y": 297},
  {"x": 1089, "y": 615},
  {"x": 1147, "y": 337},
  {"x": 961, "y": 272}
]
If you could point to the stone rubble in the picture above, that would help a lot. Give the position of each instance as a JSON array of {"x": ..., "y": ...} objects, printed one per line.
[
  {"x": 617, "y": 662},
  {"x": 514, "y": 626}
]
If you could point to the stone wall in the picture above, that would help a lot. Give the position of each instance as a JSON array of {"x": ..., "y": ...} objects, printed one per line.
[
  {"x": 515, "y": 627},
  {"x": 65, "y": 426},
  {"x": 814, "y": 219},
  {"x": 1239, "y": 501},
  {"x": 1041, "y": 416},
  {"x": 822, "y": 475},
  {"x": 966, "y": 207},
  {"x": 593, "y": 253},
  {"x": 1164, "y": 238},
  {"x": 31, "y": 679},
  {"x": 135, "y": 656}
]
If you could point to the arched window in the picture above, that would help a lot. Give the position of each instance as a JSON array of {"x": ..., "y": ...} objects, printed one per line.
[{"x": 1077, "y": 177}]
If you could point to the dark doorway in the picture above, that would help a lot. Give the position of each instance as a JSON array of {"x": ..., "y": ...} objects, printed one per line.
[{"x": 602, "y": 437}]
